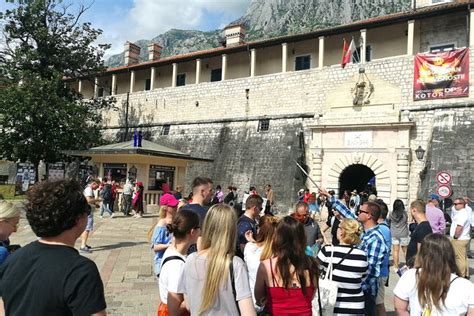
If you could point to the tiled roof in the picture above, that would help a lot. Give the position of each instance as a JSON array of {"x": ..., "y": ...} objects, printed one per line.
[{"x": 372, "y": 22}]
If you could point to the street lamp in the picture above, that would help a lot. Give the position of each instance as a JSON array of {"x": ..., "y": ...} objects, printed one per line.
[{"x": 420, "y": 153}]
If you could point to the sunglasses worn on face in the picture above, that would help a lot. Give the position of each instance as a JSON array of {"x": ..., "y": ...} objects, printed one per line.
[
  {"x": 458, "y": 203},
  {"x": 360, "y": 211}
]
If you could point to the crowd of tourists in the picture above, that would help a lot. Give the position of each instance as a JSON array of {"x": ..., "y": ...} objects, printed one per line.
[
  {"x": 277, "y": 262},
  {"x": 220, "y": 260}
]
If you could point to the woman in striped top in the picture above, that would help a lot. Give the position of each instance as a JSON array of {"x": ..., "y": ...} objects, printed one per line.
[{"x": 349, "y": 268}]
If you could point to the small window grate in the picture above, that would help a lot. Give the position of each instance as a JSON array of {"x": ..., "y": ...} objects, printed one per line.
[
  {"x": 302, "y": 62},
  {"x": 180, "y": 80},
  {"x": 263, "y": 125},
  {"x": 441, "y": 48},
  {"x": 216, "y": 74},
  {"x": 356, "y": 54},
  {"x": 165, "y": 130}
]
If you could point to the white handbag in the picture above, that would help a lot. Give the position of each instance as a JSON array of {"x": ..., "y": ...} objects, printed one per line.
[{"x": 326, "y": 294}]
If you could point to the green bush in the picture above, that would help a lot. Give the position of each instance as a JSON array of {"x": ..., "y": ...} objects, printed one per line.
[{"x": 7, "y": 192}]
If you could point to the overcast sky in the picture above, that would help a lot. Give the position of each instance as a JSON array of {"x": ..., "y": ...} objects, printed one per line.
[{"x": 123, "y": 20}]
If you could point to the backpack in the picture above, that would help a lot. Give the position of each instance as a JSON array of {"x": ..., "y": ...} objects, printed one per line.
[{"x": 107, "y": 192}]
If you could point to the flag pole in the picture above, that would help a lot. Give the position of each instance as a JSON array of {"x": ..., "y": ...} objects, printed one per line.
[
  {"x": 357, "y": 53},
  {"x": 343, "y": 48}
]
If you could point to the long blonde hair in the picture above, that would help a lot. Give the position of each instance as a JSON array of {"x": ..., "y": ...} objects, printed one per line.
[{"x": 219, "y": 237}]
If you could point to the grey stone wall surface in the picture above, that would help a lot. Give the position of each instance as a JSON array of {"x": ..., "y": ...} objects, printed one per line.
[
  {"x": 242, "y": 155},
  {"x": 451, "y": 148},
  {"x": 449, "y": 29}
]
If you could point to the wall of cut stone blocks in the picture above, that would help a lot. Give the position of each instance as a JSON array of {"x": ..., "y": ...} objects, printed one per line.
[{"x": 242, "y": 155}]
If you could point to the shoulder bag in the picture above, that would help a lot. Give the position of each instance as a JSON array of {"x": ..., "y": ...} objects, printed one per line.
[{"x": 325, "y": 297}]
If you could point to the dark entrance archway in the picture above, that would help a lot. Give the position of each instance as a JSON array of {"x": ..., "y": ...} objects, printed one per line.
[{"x": 355, "y": 177}]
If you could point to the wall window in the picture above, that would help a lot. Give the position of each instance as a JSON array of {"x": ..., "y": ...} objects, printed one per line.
[
  {"x": 115, "y": 171},
  {"x": 368, "y": 54},
  {"x": 442, "y": 48},
  {"x": 216, "y": 74},
  {"x": 180, "y": 80},
  {"x": 263, "y": 125},
  {"x": 100, "y": 92},
  {"x": 158, "y": 175},
  {"x": 302, "y": 62},
  {"x": 147, "y": 84},
  {"x": 165, "y": 130}
]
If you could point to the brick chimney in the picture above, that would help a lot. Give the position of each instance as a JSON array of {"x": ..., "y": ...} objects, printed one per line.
[
  {"x": 234, "y": 35},
  {"x": 154, "y": 51},
  {"x": 131, "y": 53}
]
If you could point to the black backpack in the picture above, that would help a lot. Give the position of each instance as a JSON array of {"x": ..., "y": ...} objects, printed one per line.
[{"x": 107, "y": 192}]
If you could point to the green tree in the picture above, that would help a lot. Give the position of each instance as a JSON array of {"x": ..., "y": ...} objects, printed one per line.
[{"x": 45, "y": 47}]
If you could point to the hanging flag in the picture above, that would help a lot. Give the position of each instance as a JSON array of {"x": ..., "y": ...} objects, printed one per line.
[{"x": 347, "y": 52}]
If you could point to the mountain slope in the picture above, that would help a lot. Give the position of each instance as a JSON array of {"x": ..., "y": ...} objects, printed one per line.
[{"x": 270, "y": 18}]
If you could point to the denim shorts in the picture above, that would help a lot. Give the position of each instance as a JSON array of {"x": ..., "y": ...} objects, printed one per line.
[
  {"x": 403, "y": 241},
  {"x": 90, "y": 223}
]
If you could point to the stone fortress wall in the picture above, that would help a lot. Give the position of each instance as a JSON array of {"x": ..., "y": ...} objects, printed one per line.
[{"x": 219, "y": 120}]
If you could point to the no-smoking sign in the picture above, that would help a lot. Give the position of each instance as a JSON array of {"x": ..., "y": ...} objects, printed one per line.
[{"x": 443, "y": 177}]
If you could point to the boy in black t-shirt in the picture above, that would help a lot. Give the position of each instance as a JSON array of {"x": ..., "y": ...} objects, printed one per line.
[
  {"x": 49, "y": 276},
  {"x": 423, "y": 228},
  {"x": 248, "y": 222}
]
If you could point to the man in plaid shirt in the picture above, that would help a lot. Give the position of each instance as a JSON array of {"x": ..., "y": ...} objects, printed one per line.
[{"x": 372, "y": 243}]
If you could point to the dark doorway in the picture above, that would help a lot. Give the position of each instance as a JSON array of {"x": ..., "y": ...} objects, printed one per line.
[{"x": 355, "y": 177}]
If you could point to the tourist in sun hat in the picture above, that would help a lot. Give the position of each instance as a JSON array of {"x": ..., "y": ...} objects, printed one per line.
[
  {"x": 435, "y": 215},
  {"x": 158, "y": 234}
]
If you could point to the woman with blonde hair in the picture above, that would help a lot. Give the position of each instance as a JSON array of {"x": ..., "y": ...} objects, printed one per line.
[
  {"x": 215, "y": 281},
  {"x": 433, "y": 286},
  {"x": 261, "y": 248},
  {"x": 159, "y": 235},
  {"x": 9, "y": 219},
  {"x": 349, "y": 267},
  {"x": 286, "y": 282}
]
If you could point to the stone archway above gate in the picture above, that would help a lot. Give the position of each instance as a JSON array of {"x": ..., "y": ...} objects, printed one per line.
[{"x": 381, "y": 173}]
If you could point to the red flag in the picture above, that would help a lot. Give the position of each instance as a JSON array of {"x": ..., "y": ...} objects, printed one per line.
[{"x": 347, "y": 52}]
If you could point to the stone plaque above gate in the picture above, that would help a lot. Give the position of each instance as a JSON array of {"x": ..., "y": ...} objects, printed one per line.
[{"x": 358, "y": 139}]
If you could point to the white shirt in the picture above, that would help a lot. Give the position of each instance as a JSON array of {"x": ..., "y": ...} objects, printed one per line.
[
  {"x": 461, "y": 218},
  {"x": 459, "y": 298},
  {"x": 469, "y": 210},
  {"x": 170, "y": 274},
  {"x": 89, "y": 192},
  {"x": 252, "y": 254}
]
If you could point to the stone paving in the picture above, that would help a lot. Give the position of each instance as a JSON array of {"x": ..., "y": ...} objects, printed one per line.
[{"x": 124, "y": 259}]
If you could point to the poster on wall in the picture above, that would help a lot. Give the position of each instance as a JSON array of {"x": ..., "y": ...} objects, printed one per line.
[
  {"x": 56, "y": 171},
  {"x": 441, "y": 75},
  {"x": 25, "y": 176}
]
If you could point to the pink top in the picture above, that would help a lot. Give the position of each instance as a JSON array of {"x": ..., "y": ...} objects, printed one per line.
[
  {"x": 436, "y": 218},
  {"x": 281, "y": 301}
]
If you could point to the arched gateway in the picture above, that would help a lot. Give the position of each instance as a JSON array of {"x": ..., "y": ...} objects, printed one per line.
[
  {"x": 354, "y": 171},
  {"x": 355, "y": 177}
]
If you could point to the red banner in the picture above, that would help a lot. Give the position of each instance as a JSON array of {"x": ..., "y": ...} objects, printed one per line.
[{"x": 441, "y": 75}]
